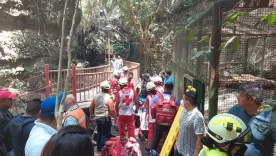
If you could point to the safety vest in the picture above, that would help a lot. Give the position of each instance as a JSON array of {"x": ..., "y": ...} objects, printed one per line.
[
  {"x": 78, "y": 114},
  {"x": 211, "y": 152},
  {"x": 151, "y": 101},
  {"x": 101, "y": 105},
  {"x": 126, "y": 101}
]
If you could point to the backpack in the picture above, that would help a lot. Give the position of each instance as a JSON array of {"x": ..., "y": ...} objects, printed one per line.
[
  {"x": 132, "y": 148},
  {"x": 164, "y": 111},
  {"x": 112, "y": 147},
  {"x": 16, "y": 129}
]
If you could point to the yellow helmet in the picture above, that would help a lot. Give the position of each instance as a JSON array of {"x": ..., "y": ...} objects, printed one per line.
[
  {"x": 225, "y": 127},
  {"x": 105, "y": 85}
]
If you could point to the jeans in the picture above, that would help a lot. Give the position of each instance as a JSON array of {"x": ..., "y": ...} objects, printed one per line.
[
  {"x": 176, "y": 153},
  {"x": 103, "y": 129},
  {"x": 126, "y": 120},
  {"x": 158, "y": 131}
]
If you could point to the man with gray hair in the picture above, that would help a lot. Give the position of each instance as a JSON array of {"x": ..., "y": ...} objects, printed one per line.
[
  {"x": 74, "y": 115},
  {"x": 248, "y": 109}
]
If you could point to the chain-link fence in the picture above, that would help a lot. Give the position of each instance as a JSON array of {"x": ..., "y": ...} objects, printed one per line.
[{"x": 254, "y": 61}]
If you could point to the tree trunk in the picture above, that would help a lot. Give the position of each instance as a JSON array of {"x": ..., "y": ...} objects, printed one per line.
[
  {"x": 58, "y": 114},
  {"x": 68, "y": 76}
]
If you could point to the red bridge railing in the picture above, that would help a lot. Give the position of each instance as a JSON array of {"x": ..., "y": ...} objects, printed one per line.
[{"x": 85, "y": 82}]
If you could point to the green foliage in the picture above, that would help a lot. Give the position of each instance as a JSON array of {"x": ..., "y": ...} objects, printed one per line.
[
  {"x": 270, "y": 18},
  {"x": 200, "y": 53},
  {"x": 235, "y": 43},
  {"x": 232, "y": 17},
  {"x": 191, "y": 34}
]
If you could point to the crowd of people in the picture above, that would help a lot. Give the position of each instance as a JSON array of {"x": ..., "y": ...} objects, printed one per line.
[{"x": 243, "y": 130}]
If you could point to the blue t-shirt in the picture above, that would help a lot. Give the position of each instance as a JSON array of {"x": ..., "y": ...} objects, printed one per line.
[
  {"x": 263, "y": 138},
  {"x": 241, "y": 113},
  {"x": 168, "y": 79}
]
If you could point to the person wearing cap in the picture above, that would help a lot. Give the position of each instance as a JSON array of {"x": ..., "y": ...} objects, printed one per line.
[
  {"x": 158, "y": 84},
  {"x": 74, "y": 115},
  {"x": 167, "y": 104},
  {"x": 6, "y": 102},
  {"x": 21, "y": 126},
  {"x": 125, "y": 72},
  {"x": 150, "y": 100},
  {"x": 126, "y": 98},
  {"x": 130, "y": 83},
  {"x": 114, "y": 83},
  {"x": 45, "y": 127},
  {"x": 143, "y": 92},
  {"x": 102, "y": 109}
]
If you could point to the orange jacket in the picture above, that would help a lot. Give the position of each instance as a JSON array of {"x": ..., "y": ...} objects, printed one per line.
[{"x": 79, "y": 114}]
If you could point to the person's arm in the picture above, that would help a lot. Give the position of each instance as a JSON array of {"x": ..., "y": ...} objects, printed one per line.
[
  {"x": 147, "y": 106},
  {"x": 70, "y": 120},
  {"x": 112, "y": 110},
  {"x": 198, "y": 144},
  {"x": 136, "y": 100},
  {"x": 199, "y": 128},
  {"x": 91, "y": 109},
  {"x": 3, "y": 149}
]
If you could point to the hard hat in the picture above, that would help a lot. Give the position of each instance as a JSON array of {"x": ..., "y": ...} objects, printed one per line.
[
  {"x": 125, "y": 68},
  {"x": 105, "y": 85},
  {"x": 225, "y": 127},
  {"x": 152, "y": 79},
  {"x": 150, "y": 86},
  {"x": 122, "y": 81},
  {"x": 116, "y": 73},
  {"x": 158, "y": 79}
]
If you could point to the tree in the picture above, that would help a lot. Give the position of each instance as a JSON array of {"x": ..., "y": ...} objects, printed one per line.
[{"x": 59, "y": 108}]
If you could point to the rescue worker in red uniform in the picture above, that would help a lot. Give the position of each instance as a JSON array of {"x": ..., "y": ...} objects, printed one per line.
[
  {"x": 126, "y": 98},
  {"x": 130, "y": 84},
  {"x": 125, "y": 72},
  {"x": 150, "y": 100},
  {"x": 163, "y": 111},
  {"x": 114, "y": 88},
  {"x": 158, "y": 84}
]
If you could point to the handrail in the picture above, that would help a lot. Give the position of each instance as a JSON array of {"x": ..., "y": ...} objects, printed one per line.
[{"x": 85, "y": 82}]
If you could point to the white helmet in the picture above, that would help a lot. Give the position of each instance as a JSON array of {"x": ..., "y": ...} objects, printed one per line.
[
  {"x": 105, "y": 85},
  {"x": 225, "y": 127},
  {"x": 122, "y": 81},
  {"x": 158, "y": 79},
  {"x": 125, "y": 68},
  {"x": 150, "y": 86},
  {"x": 116, "y": 73}
]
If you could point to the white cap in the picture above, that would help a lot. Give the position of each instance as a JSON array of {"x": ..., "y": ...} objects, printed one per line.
[
  {"x": 125, "y": 68},
  {"x": 105, "y": 85},
  {"x": 122, "y": 81}
]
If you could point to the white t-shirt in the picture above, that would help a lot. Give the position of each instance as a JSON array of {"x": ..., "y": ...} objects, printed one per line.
[
  {"x": 191, "y": 124},
  {"x": 39, "y": 136}
]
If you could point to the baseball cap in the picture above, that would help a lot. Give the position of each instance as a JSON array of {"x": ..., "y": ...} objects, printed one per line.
[
  {"x": 48, "y": 106},
  {"x": 5, "y": 94},
  {"x": 146, "y": 75}
]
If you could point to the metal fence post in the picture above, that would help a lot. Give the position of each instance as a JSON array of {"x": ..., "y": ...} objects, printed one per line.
[{"x": 47, "y": 83}]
